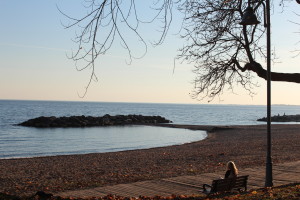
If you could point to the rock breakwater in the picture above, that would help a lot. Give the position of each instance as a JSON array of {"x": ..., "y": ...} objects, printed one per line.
[
  {"x": 89, "y": 121},
  {"x": 282, "y": 118}
]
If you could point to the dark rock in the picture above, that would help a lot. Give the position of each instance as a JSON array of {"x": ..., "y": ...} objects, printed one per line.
[
  {"x": 282, "y": 118},
  {"x": 88, "y": 121},
  {"x": 43, "y": 195}
]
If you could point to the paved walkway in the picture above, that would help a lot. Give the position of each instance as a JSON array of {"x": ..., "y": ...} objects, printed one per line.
[{"x": 282, "y": 174}]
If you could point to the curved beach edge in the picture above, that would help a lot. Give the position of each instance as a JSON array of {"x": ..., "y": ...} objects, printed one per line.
[{"x": 246, "y": 145}]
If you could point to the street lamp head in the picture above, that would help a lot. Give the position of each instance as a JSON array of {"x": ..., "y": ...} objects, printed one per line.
[{"x": 249, "y": 17}]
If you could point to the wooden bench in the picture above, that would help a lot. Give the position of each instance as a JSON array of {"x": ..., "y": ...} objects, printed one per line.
[{"x": 225, "y": 185}]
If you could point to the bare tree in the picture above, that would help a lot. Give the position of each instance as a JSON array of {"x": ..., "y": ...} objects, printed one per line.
[
  {"x": 108, "y": 21},
  {"x": 223, "y": 52}
]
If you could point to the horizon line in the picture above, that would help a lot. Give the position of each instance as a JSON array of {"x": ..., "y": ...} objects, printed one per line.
[{"x": 94, "y": 101}]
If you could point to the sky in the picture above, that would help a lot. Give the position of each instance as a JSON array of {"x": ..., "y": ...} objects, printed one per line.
[{"x": 34, "y": 64}]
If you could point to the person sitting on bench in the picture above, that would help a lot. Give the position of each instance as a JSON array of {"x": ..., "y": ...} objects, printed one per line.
[{"x": 232, "y": 171}]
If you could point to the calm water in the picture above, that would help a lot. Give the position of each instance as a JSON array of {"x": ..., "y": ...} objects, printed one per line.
[{"x": 17, "y": 141}]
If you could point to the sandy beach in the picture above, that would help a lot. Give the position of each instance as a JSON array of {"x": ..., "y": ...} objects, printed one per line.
[{"x": 246, "y": 145}]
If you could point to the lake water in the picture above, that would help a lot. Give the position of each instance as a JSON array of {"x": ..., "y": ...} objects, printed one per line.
[{"x": 17, "y": 141}]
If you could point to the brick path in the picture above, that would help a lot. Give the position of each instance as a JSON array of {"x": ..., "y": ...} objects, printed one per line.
[{"x": 282, "y": 174}]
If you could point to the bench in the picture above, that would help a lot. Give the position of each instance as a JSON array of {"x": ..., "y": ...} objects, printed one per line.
[{"x": 225, "y": 185}]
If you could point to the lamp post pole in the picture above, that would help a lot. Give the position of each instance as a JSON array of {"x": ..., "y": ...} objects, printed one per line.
[
  {"x": 249, "y": 18},
  {"x": 269, "y": 175}
]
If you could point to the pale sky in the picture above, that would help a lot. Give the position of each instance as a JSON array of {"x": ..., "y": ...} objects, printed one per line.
[{"x": 34, "y": 65}]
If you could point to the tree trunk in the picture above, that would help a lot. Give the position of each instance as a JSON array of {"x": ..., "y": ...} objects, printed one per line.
[{"x": 275, "y": 76}]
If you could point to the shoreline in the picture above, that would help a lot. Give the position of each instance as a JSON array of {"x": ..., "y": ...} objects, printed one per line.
[
  {"x": 195, "y": 137},
  {"x": 246, "y": 145}
]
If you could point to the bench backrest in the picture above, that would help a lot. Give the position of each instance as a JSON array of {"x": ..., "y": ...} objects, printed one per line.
[{"x": 222, "y": 185}]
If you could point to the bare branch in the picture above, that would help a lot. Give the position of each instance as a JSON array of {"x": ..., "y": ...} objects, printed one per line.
[
  {"x": 107, "y": 22},
  {"x": 223, "y": 52}
]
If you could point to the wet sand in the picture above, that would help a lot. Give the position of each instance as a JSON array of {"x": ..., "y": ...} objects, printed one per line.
[{"x": 246, "y": 145}]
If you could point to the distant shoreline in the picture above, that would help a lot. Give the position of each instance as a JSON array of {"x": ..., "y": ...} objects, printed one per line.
[{"x": 246, "y": 145}]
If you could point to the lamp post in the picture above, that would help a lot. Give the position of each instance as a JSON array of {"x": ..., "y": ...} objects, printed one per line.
[
  {"x": 269, "y": 175},
  {"x": 249, "y": 18}
]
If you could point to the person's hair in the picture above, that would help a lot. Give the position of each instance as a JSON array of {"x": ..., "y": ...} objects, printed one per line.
[{"x": 231, "y": 166}]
